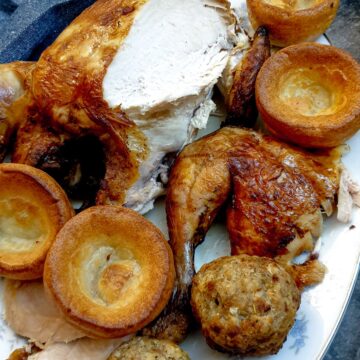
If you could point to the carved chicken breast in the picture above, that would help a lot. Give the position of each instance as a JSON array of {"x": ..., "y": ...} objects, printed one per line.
[
  {"x": 165, "y": 90},
  {"x": 138, "y": 76}
]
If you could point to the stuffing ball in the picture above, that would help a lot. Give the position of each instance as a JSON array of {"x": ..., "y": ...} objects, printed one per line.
[
  {"x": 245, "y": 304},
  {"x": 144, "y": 348}
]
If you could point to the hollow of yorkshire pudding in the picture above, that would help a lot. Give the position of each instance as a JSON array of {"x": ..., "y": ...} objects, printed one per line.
[
  {"x": 309, "y": 94},
  {"x": 292, "y": 21},
  {"x": 33, "y": 208},
  {"x": 110, "y": 271}
]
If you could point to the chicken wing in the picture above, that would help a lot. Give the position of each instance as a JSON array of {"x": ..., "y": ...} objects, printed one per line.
[
  {"x": 275, "y": 210},
  {"x": 241, "y": 98}
]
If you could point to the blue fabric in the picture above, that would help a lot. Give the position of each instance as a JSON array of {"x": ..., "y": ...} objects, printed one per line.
[{"x": 29, "y": 26}]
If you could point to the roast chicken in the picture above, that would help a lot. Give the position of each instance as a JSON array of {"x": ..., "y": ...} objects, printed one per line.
[
  {"x": 14, "y": 89},
  {"x": 122, "y": 90},
  {"x": 239, "y": 81},
  {"x": 131, "y": 78},
  {"x": 279, "y": 193}
]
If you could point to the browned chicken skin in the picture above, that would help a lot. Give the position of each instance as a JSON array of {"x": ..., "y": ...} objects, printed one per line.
[
  {"x": 67, "y": 86},
  {"x": 241, "y": 103},
  {"x": 268, "y": 200},
  {"x": 199, "y": 185},
  {"x": 278, "y": 191},
  {"x": 59, "y": 100},
  {"x": 14, "y": 96}
]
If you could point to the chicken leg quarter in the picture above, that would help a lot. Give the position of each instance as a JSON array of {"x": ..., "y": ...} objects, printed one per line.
[{"x": 275, "y": 210}]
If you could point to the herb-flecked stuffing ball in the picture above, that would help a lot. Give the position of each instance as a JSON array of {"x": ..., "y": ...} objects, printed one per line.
[{"x": 245, "y": 304}]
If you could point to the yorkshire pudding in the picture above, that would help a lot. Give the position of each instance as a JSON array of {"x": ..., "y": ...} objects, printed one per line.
[
  {"x": 33, "y": 208},
  {"x": 110, "y": 271},
  {"x": 292, "y": 21},
  {"x": 309, "y": 94}
]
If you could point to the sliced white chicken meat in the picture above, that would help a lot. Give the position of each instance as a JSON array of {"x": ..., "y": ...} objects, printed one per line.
[
  {"x": 89, "y": 349},
  {"x": 173, "y": 55},
  {"x": 30, "y": 313},
  {"x": 348, "y": 195},
  {"x": 136, "y": 74},
  {"x": 239, "y": 7}
]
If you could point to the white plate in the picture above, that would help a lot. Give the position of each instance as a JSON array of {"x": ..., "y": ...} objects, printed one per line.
[{"x": 322, "y": 306}]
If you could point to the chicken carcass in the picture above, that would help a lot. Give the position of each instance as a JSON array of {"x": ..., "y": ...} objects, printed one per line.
[
  {"x": 138, "y": 76},
  {"x": 275, "y": 211}
]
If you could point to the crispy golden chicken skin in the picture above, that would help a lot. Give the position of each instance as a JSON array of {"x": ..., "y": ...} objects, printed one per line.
[
  {"x": 67, "y": 86},
  {"x": 143, "y": 348},
  {"x": 245, "y": 304},
  {"x": 272, "y": 203},
  {"x": 67, "y": 100},
  {"x": 93, "y": 81},
  {"x": 14, "y": 96},
  {"x": 200, "y": 183},
  {"x": 241, "y": 103}
]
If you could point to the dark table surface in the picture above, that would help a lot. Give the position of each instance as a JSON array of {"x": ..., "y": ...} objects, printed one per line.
[
  {"x": 22, "y": 21},
  {"x": 345, "y": 33}
]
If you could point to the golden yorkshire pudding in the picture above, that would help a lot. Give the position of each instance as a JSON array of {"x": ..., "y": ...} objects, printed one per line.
[
  {"x": 33, "y": 208},
  {"x": 309, "y": 94},
  {"x": 292, "y": 21},
  {"x": 110, "y": 271}
]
